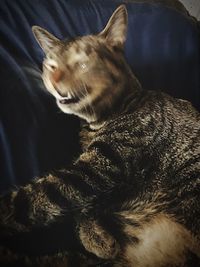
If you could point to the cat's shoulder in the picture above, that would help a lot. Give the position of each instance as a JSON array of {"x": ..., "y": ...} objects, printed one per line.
[
  {"x": 155, "y": 106},
  {"x": 154, "y": 110},
  {"x": 155, "y": 103}
]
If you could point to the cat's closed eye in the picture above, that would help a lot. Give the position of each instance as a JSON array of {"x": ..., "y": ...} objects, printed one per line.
[{"x": 50, "y": 64}]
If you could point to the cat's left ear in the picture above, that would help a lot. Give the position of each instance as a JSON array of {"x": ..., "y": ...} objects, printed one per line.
[
  {"x": 116, "y": 28},
  {"x": 45, "y": 39}
]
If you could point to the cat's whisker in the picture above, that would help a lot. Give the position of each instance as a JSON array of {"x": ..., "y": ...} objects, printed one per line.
[
  {"x": 91, "y": 109},
  {"x": 72, "y": 94}
]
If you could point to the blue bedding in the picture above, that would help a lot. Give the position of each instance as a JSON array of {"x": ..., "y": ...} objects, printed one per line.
[{"x": 163, "y": 49}]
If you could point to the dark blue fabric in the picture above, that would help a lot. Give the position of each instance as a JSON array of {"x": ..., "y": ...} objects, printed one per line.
[{"x": 162, "y": 48}]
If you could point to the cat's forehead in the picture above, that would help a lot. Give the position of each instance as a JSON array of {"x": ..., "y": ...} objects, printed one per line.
[
  {"x": 81, "y": 48},
  {"x": 84, "y": 44},
  {"x": 76, "y": 50}
]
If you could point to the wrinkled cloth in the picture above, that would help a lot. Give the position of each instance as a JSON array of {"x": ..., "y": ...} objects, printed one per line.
[{"x": 162, "y": 48}]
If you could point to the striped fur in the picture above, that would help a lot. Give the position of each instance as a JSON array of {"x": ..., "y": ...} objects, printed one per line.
[{"x": 133, "y": 194}]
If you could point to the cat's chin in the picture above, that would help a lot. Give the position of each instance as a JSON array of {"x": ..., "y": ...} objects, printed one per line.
[
  {"x": 72, "y": 109},
  {"x": 67, "y": 101}
]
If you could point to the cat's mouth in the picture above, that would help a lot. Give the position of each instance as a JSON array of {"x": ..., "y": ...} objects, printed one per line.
[{"x": 69, "y": 100}]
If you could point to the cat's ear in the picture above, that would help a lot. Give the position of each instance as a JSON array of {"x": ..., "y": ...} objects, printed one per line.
[
  {"x": 116, "y": 28},
  {"x": 45, "y": 39}
]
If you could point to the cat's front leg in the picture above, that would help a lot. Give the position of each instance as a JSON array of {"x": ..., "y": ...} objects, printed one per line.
[
  {"x": 33, "y": 205},
  {"x": 8, "y": 215},
  {"x": 49, "y": 201},
  {"x": 34, "y": 221}
]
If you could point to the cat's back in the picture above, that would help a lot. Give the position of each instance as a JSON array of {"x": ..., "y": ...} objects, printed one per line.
[
  {"x": 159, "y": 128},
  {"x": 157, "y": 111},
  {"x": 158, "y": 140}
]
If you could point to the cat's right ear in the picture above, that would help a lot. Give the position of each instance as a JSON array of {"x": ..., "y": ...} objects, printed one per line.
[
  {"x": 116, "y": 28},
  {"x": 45, "y": 39}
]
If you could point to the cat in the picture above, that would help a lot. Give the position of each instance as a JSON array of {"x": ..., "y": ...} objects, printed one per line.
[{"x": 134, "y": 191}]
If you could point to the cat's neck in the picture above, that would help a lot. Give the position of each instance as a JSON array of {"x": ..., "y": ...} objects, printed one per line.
[{"x": 129, "y": 97}]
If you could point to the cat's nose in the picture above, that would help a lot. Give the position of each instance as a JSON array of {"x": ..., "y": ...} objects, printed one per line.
[{"x": 57, "y": 75}]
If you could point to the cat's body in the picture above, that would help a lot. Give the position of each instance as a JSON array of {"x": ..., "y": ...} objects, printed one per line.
[{"x": 134, "y": 191}]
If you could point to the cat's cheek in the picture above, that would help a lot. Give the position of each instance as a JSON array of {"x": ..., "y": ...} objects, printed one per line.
[
  {"x": 49, "y": 86},
  {"x": 47, "y": 83}
]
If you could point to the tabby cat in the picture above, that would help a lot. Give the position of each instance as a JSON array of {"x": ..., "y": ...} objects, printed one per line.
[{"x": 134, "y": 191}]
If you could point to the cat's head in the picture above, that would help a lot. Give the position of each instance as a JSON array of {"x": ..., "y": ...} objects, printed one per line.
[{"x": 86, "y": 74}]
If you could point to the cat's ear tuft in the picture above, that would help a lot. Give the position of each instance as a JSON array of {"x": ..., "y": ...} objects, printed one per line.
[
  {"x": 45, "y": 39},
  {"x": 116, "y": 28}
]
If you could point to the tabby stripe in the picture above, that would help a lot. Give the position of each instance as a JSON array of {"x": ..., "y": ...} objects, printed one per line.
[
  {"x": 54, "y": 195},
  {"x": 133, "y": 239},
  {"x": 129, "y": 101},
  {"x": 89, "y": 174},
  {"x": 187, "y": 180},
  {"x": 21, "y": 206},
  {"x": 160, "y": 128},
  {"x": 75, "y": 181},
  {"x": 107, "y": 152},
  {"x": 102, "y": 95},
  {"x": 24, "y": 200},
  {"x": 100, "y": 180},
  {"x": 195, "y": 141},
  {"x": 130, "y": 222},
  {"x": 105, "y": 54},
  {"x": 189, "y": 163}
]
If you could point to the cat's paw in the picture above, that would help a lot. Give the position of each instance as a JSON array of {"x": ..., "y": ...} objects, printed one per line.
[
  {"x": 6, "y": 216},
  {"x": 8, "y": 222},
  {"x": 98, "y": 241}
]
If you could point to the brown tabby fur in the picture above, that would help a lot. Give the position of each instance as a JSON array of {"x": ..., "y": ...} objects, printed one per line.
[{"x": 134, "y": 191}]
